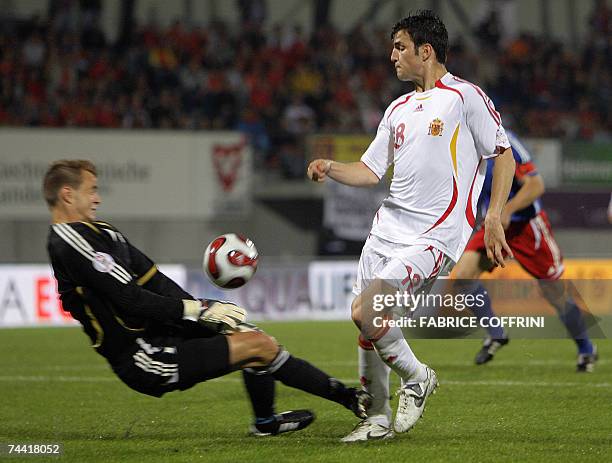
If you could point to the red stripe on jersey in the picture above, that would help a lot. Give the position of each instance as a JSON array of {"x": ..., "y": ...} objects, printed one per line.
[
  {"x": 494, "y": 114},
  {"x": 437, "y": 265},
  {"x": 439, "y": 84},
  {"x": 469, "y": 213},
  {"x": 399, "y": 104},
  {"x": 449, "y": 209}
]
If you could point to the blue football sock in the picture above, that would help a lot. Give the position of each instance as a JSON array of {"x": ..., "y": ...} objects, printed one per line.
[
  {"x": 486, "y": 311},
  {"x": 572, "y": 318}
]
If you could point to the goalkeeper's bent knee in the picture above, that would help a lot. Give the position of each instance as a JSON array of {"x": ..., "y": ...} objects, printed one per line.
[
  {"x": 261, "y": 347},
  {"x": 278, "y": 361}
]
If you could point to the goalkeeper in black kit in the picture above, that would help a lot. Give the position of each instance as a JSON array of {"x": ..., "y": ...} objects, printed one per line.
[{"x": 157, "y": 337}]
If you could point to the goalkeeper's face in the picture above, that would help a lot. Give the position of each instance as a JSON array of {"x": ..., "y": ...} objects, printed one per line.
[{"x": 86, "y": 197}]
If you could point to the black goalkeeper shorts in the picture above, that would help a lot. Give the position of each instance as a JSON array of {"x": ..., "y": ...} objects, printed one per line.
[{"x": 162, "y": 364}]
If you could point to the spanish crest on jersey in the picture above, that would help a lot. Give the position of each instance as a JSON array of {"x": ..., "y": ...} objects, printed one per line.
[{"x": 436, "y": 127}]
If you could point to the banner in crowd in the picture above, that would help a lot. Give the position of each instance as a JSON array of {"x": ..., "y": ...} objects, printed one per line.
[
  {"x": 349, "y": 211},
  {"x": 28, "y": 295},
  {"x": 153, "y": 174}
]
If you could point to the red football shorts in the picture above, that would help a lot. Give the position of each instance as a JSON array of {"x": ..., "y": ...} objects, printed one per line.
[{"x": 533, "y": 245}]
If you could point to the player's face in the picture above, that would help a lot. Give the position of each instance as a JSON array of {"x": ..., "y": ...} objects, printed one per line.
[
  {"x": 86, "y": 197},
  {"x": 408, "y": 65}
]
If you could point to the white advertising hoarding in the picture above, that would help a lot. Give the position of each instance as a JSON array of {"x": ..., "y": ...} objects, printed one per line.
[
  {"x": 283, "y": 291},
  {"x": 330, "y": 288},
  {"x": 320, "y": 290},
  {"x": 142, "y": 174}
]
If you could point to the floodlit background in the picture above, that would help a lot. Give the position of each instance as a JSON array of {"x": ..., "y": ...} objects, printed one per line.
[{"x": 201, "y": 117}]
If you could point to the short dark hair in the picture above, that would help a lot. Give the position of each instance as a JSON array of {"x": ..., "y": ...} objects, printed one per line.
[
  {"x": 425, "y": 26},
  {"x": 64, "y": 172}
]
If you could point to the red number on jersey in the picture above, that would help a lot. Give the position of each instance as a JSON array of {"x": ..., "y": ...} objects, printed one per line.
[{"x": 399, "y": 135}]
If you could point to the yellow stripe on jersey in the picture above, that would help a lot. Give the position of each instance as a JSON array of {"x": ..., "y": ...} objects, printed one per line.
[
  {"x": 453, "y": 149},
  {"x": 424, "y": 98},
  {"x": 96, "y": 325},
  {"x": 99, "y": 222},
  {"x": 93, "y": 320},
  {"x": 147, "y": 276},
  {"x": 123, "y": 324},
  {"x": 92, "y": 226}
]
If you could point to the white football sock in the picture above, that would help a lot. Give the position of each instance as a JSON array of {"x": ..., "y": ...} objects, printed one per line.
[
  {"x": 374, "y": 377},
  {"x": 395, "y": 352}
]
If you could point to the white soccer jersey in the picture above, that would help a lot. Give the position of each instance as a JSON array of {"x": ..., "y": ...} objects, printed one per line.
[{"x": 437, "y": 141}]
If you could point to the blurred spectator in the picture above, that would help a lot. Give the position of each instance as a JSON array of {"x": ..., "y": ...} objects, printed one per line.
[
  {"x": 33, "y": 51},
  {"x": 252, "y": 12},
  {"x": 253, "y": 127},
  {"x": 299, "y": 118},
  {"x": 600, "y": 20},
  {"x": 489, "y": 31},
  {"x": 298, "y": 121},
  {"x": 278, "y": 86}
]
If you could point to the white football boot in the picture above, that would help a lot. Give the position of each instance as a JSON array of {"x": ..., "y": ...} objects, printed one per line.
[
  {"x": 412, "y": 400},
  {"x": 367, "y": 430}
]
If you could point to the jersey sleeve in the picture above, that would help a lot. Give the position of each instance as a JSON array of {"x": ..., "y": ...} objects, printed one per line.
[
  {"x": 485, "y": 124},
  {"x": 151, "y": 278},
  {"x": 379, "y": 155},
  {"x": 91, "y": 264},
  {"x": 522, "y": 156}
]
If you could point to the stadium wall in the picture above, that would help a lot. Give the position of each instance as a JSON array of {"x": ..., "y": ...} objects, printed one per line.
[
  {"x": 170, "y": 197},
  {"x": 170, "y": 192}
]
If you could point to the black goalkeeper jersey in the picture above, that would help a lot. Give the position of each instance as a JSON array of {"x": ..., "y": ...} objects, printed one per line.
[{"x": 114, "y": 290}]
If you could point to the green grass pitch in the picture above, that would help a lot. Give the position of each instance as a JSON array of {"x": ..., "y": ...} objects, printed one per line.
[{"x": 527, "y": 405}]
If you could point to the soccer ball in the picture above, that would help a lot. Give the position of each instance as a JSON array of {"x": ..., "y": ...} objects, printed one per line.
[{"x": 230, "y": 260}]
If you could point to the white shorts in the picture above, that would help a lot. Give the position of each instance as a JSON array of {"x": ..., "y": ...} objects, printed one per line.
[{"x": 409, "y": 268}]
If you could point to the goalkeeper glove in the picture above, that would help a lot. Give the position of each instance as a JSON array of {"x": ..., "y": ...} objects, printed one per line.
[
  {"x": 192, "y": 309},
  {"x": 219, "y": 316},
  {"x": 222, "y": 316}
]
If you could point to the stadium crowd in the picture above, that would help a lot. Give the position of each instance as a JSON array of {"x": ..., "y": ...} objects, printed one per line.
[{"x": 280, "y": 85}]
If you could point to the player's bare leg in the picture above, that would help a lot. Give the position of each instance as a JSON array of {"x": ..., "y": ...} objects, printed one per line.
[
  {"x": 559, "y": 294},
  {"x": 471, "y": 265},
  {"x": 418, "y": 380}
]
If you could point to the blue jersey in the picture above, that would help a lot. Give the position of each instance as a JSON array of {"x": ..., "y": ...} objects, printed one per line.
[{"x": 524, "y": 166}]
